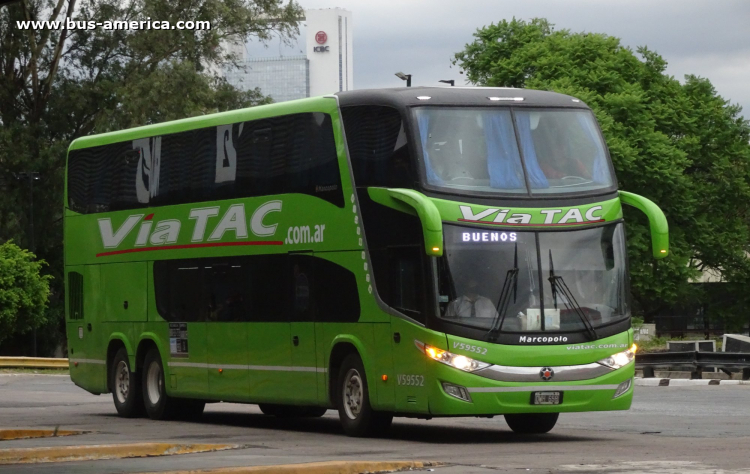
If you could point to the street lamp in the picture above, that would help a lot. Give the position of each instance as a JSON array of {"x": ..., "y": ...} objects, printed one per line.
[
  {"x": 404, "y": 77},
  {"x": 448, "y": 81},
  {"x": 31, "y": 176}
]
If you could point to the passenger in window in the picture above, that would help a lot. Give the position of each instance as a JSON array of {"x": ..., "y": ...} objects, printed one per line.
[{"x": 472, "y": 304}]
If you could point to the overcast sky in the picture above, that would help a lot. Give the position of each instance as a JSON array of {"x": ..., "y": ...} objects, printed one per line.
[{"x": 708, "y": 38}]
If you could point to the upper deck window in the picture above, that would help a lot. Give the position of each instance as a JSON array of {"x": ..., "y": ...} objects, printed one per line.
[
  {"x": 482, "y": 150},
  {"x": 378, "y": 147},
  {"x": 293, "y": 153}
]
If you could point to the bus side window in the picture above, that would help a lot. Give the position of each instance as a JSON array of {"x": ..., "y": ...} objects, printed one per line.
[
  {"x": 336, "y": 293},
  {"x": 406, "y": 286},
  {"x": 179, "y": 290},
  {"x": 267, "y": 285},
  {"x": 378, "y": 146},
  {"x": 301, "y": 294}
]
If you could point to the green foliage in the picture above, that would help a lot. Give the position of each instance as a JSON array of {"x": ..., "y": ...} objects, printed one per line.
[
  {"x": 679, "y": 144},
  {"x": 57, "y": 85},
  {"x": 23, "y": 291}
]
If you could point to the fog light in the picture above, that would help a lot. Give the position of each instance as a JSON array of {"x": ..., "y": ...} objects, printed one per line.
[
  {"x": 623, "y": 387},
  {"x": 457, "y": 391}
]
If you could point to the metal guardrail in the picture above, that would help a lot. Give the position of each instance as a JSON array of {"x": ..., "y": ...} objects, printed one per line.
[
  {"x": 33, "y": 363},
  {"x": 694, "y": 360}
]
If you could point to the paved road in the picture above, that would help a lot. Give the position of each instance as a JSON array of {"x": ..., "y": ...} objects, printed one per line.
[{"x": 668, "y": 430}]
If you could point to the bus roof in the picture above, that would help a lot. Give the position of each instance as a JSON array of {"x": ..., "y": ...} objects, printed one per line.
[
  {"x": 400, "y": 98},
  {"x": 467, "y": 96}
]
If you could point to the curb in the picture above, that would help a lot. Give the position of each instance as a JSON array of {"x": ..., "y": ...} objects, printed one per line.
[
  {"x": 104, "y": 451},
  {"x": 656, "y": 382},
  {"x": 7, "y": 435},
  {"x": 325, "y": 467}
]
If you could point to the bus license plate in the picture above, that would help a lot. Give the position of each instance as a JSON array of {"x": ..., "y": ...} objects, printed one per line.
[{"x": 546, "y": 398}]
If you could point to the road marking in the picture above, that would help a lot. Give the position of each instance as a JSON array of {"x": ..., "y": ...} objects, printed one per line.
[
  {"x": 104, "y": 451},
  {"x": 35, "y": 433},
  {"x": 326, "y": 467}
]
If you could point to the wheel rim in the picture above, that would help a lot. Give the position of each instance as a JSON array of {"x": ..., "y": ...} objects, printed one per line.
[
  {"x": 353, "y": 394},
  {"x": 154, "y": 383},
  {"x": 122, "y": 381}
]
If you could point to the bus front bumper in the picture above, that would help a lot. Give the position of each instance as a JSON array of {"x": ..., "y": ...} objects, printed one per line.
[{"x": 489, "y": 397}]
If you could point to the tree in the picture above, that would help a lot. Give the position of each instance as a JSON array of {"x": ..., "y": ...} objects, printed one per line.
[
  {"x": 681, "y": 145},
  {"x": 23, "y": 291},
  {"x": 60, "y": 84}
]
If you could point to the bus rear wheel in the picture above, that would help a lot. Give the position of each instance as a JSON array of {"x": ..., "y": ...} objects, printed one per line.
[
  {"x": 532, "y": 423},
  {"x": 291, "y": 411},
  {"x": 125, "y": 386},
  {"x": 159, "y": 405},
  {"x": 357, "y": 416}
]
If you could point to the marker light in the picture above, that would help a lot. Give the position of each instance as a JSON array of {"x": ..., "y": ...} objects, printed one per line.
[
  {"x": 436, "y": 249},
  {"x": 623, "y": 388},
  {"x": 663, "y": 251},
  {"x": 621, "y": 359},
  {"x": 456, "y": 361}
]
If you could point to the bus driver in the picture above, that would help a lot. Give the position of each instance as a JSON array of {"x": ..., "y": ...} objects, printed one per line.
[{"x": 471, "y": 304}]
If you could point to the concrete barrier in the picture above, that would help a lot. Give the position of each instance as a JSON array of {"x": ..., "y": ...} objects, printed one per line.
[{"x": 33, "y": 363}]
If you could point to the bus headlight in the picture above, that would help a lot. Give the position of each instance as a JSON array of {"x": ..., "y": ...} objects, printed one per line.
[
  {"x": 457, "y": 361},
  {"x": 621, "y": 359}
]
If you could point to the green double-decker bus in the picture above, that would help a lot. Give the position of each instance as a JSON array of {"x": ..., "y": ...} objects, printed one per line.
[{"x": 415, "y": 252}]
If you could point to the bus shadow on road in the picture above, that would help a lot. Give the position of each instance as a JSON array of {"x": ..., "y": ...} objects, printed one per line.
[{"x": 403, "y": 429}]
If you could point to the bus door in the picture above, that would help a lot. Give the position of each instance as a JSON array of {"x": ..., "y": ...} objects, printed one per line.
[
  {"x": 300, "y": 271},
  {"x": 227, "y": 310},
  {"x": 85, "y": 335},
  {"x": 268, "y": 332},
  {"x": 406, "y": 293}
]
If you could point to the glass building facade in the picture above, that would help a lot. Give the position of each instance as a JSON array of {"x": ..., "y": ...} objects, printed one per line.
[{"x": 285, "y": 78}]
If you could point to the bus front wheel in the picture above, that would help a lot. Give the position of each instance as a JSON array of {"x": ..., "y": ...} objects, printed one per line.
[
  {"x": 532, "y": 423},
  {"x": 125, "y": 386},
  {"x": 357, "y": 416}
]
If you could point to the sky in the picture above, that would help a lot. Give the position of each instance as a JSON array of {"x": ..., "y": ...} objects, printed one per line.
[{"x": 707, "y": 38}]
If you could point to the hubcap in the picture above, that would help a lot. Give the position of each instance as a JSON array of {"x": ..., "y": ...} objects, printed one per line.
[
  {"x": 353, "y": 395},
  {"x": 122, "y": 381},
  {"x": 154, "y": 383}
]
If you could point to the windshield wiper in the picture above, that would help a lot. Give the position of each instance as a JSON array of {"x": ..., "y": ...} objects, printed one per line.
[
  {"x": 558, "y": 284},
  {"x": 511, "y": 279}
]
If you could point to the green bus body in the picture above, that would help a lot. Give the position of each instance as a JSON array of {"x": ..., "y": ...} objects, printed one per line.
[{"x": 114, "y": 257}]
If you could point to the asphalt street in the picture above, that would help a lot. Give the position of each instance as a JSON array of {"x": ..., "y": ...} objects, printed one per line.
[{"x": 668, "y": 430}]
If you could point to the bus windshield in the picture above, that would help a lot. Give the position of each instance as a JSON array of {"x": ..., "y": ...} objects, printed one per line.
[
  {"x": 541, "y": 151},
  {"x": 509, "y": 281}
]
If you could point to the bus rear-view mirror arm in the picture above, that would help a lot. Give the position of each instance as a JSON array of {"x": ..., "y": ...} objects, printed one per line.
[
  {"x": 413, "y": 201},
  {"x": 656, "y": 219}
]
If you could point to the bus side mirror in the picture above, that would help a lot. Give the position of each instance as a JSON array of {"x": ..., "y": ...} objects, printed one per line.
[
  {"x": 412, "y": 201},
  {"x": 656, "y": 219}
]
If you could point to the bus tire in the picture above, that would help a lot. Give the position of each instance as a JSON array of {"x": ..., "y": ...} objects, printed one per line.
[
  {"x": 291, "y": 411},
  {"x": 126, "y": 386},
  {"x": 159, "y": 405},
  {"x": 532, "y": 423},
  {"x": 353, "y": 400}
]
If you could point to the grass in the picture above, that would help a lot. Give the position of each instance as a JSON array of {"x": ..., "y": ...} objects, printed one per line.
[{"x": 21, "y": 370}]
